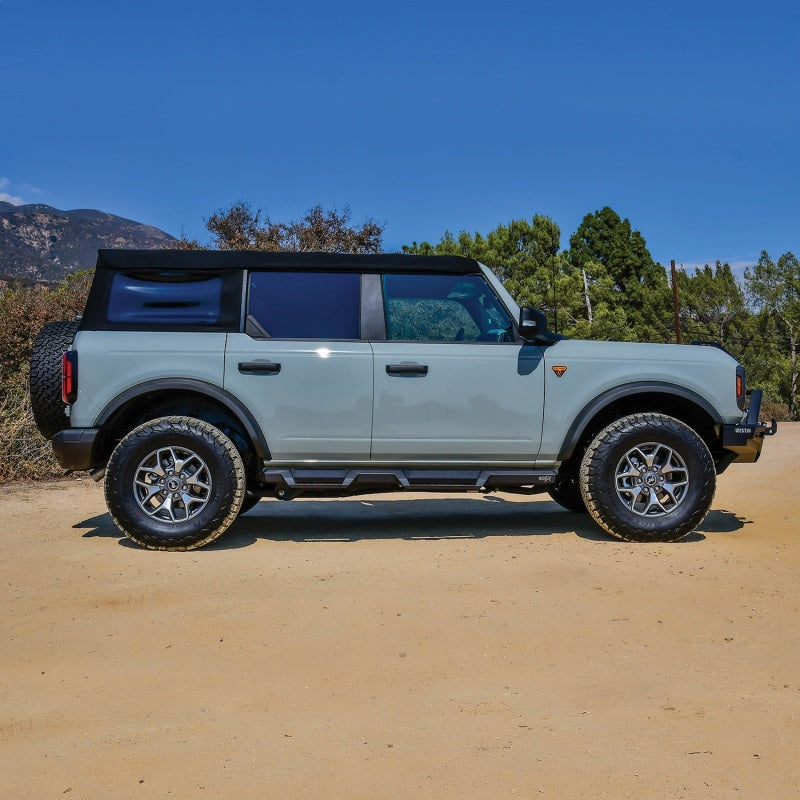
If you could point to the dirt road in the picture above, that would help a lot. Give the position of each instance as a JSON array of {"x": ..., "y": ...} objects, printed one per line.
[{"x": 434, "y": 647}]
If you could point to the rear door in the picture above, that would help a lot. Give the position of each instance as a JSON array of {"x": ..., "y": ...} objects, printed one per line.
[{"x": 301, "y": 367}]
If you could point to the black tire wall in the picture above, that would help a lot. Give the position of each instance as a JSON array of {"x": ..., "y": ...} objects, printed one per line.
[{"x": 48, "y": 409}]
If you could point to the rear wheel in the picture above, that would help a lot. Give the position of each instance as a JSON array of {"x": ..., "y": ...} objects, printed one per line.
[
  {"x": 175, "y": 483},
  {"x": 648, "y": 478},
  {"x": 250, "y": 501}
]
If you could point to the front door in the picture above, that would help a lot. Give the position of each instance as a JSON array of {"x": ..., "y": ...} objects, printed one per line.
[{"x": 451, "y": 387}]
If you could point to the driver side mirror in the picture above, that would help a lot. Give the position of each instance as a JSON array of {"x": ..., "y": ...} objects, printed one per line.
[{"x": 533, "y": 327}]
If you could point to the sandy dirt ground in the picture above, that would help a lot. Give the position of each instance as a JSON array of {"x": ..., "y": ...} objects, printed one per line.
[{"x": 431, "y": 646}]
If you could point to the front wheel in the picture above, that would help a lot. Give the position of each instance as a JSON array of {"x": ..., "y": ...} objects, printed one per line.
[
  {"x": 174, "y": 483},
  {"x": 648, "y": 478}
]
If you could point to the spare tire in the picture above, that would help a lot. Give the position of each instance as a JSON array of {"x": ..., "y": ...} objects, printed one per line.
[{"x": 48, "y": 409}]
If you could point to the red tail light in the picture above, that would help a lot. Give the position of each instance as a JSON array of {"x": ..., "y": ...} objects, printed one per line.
[
  {"x": 741, "y": 387},
  {"x": 69, "y": 376}
]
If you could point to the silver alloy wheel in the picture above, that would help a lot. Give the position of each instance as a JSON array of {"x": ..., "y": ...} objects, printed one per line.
[
  {"x": 652, "y": 480},
  {"x": 172, "y": 484}
]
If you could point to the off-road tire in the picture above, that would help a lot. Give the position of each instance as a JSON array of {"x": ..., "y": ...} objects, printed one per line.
[
  {"x": 606, "y": 466},
  {"x": 566, "y": 491},
  {"x": 223, "y": 479},
  {"x": 48, "y": 409}
]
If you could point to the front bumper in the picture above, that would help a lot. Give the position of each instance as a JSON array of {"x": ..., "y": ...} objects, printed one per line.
[
  {"x": 746, "y": 437},
  {"x": 74, "y": 447}
]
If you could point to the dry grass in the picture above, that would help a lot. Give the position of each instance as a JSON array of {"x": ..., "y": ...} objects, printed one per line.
[{"x": 24, "y": 453}]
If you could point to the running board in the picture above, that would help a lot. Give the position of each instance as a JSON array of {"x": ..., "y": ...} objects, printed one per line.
[{"x": 360, "y": 479}]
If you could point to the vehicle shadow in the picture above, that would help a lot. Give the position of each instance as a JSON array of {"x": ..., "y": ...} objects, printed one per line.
[
  {"x": 430, "y": 518},
  {"x": 356, "y": 519},
  {"x": 353, "y": 520},
  {"x": 718, "y": 520}
]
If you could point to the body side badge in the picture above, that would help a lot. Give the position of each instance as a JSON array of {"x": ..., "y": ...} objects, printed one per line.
[{"x": 559, "y": 370}]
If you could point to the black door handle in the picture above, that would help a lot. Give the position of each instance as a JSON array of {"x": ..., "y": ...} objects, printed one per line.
[
  {"x": 257, "y": 367},
  {"x": 406, "y": 369}
]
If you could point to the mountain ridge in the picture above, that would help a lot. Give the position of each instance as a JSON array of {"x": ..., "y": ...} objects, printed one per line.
[{"x": 39, "y": 242}]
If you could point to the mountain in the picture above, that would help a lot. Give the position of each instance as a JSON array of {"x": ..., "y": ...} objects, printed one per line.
[{"x": 42, "y": 243}]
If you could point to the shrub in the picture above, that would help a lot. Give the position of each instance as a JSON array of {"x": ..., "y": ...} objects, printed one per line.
[
  {"x": 24, "y": 453},
  {"x": 23, "y": 311}
]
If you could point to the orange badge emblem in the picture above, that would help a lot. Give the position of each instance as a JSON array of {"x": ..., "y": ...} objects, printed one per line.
[{"x": 560, "y": 370}]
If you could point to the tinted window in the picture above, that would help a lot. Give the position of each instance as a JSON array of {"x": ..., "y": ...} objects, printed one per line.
[
  {"x": 306, "y": 305},
  {"x": 443, "y": 308},
  {"x": 157, "y": 301}
]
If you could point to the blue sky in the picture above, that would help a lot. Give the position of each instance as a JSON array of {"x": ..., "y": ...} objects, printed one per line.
[{"x": 427, "y": 117}]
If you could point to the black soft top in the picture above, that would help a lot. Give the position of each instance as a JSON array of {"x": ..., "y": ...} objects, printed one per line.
[{"x": 137, "y": 260}]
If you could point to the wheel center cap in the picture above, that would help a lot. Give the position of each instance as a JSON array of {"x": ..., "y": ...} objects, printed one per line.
[
  {"x": 173, "y": 484},
  {"x": 650, "y": 479}
]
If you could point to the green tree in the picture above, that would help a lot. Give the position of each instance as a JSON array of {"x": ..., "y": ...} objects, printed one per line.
[
  {"x": 525, "y": 256},
  {"x": 774, "y": 289},
  {"x": 606, "y": 247},
  {"x": 712, "y": 305}
]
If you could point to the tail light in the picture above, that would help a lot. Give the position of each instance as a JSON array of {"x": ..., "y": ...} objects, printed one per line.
[
  {"x": 69, "y": 376},
  {"x": 741, "y": 387}
]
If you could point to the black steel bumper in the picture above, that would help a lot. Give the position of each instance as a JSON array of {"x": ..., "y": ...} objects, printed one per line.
[
  {"x": 74, "y": 447},
  {"x": 746, "y": 438}
]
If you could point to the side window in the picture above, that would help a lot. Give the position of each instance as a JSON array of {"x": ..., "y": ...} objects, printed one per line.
[
  {"x": 304, "y": 305},
  {"x": 443, "y": 308},
  {"x": 156, "y": 300}
]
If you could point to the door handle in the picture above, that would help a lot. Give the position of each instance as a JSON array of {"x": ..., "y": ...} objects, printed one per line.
[
  {"x": 259, "y": 367},
  {"x": 406, "y": 369}
]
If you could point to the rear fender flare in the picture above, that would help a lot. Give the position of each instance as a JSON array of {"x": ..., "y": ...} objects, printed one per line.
[{"x": 216, "y": 393}]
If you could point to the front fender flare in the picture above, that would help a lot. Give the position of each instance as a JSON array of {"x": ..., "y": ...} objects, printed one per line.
[{"x": 613, "y": 395}]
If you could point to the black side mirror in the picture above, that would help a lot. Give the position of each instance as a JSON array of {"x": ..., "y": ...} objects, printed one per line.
[
  {"x": 533, "y": 327},
  {"x": 531, "y": 323}
]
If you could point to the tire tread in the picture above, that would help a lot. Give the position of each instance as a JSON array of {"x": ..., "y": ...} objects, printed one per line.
[{"x": 45, "y": 376}]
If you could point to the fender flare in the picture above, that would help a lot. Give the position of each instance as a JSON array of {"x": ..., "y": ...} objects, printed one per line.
[
  {"x": 605, "y": 399},
  {"x": 210, "y": 390}
]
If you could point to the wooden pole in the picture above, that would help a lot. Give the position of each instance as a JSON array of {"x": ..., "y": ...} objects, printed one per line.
[{"x": 675, "y": 304}]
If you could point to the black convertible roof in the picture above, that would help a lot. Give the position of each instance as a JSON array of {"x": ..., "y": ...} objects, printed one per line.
[{"x": 255, "y": 259}]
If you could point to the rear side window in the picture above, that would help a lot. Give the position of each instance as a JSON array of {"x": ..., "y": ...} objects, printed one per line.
[
  {"x": 306, "y": 305},
  {"x": 156, "y": 300}
]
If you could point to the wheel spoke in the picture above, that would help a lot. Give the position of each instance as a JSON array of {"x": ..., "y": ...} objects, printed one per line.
[
  {"x": 151, "y": 489},
  {"x": 193, "y": 480},
  {"x": 157, "y": 469},
  {"x": 190, "y": 500},
  {"x": 653, "y": 502}
]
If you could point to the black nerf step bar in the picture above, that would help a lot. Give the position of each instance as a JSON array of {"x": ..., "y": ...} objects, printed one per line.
[{"x": 288, "y": 483}]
